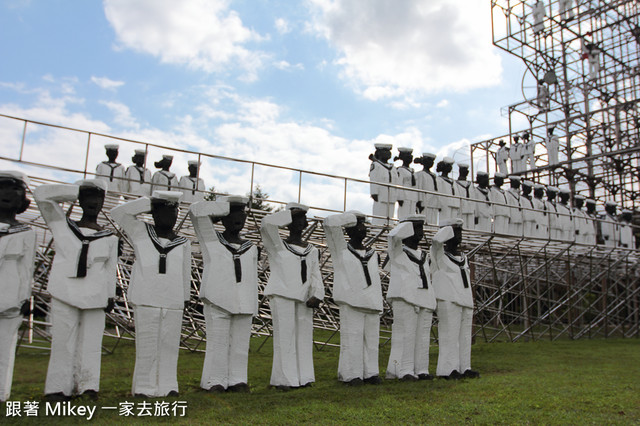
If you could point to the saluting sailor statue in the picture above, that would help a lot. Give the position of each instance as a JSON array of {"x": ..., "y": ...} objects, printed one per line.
[
  {"x": 191, "y": 185},
  {"x": 17, "y": 252},
  {"x": 111, "y": 172},
  {"x": 163, "y": 179},
  {"x": 358, "y": 294},
  {"x": 555, "y": 226},
  {"x": 294, "y": 288},
  {"x": 159, "y": 289},
  {"x": 427, "y": 181},
  {"x": 384, "y": 197},
  {"x": 412, "y": 298},
  {"x": 452, "y": 283},
  {"x": 502, "y": 155},
  {"x": 82, "y": 284},
  {"x": 138, "y": 176},
  {"x": 407, "y": 199},
  {"x": 229, "y": 291}
]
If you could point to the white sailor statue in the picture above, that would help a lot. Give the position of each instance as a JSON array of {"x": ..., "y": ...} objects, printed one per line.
[
  {"x": 541, "y": 213},
  {"x": 111, "y": 172},
  {"x": 609, "y": 226},
  {"x": 384, "y": 197},
  {"x": 516, "y": 154},
  {"x": 17, "y": 253},
  {"x": 407, "y": 199},
  {"x": 482, "y": 197},
  {"x": 627, "y": 239},
  {"x": 82, "y": 284},
  {"x": 412, "y": 298},
  {"x": 565, "y": 217},
  {"x": 591, "y": 233},
  {"x": 579, "y": 219},
  {"x": 452, "y": 283},
  {"x": 512, "y": 195},
  {"x": 159, "y": 289},
  {"x": 449, "y": 191},
  {"x": 553, "y": 146},
  {"x": 556, "y": 232},
  {"x": 164, "y": 179},
  {"x": 501, "y": 211},
  {"x": 192, "y": 185},
  {"x": 566, "y": 9},
  {"x": 357, "y": 292},
  {"x": 138, "y": 176},
  {"x": 229, "y": 291},
  {"x": 294, "y": 288},
  {"x": 427, "y": 181},
  {"x": 528, "y": 210},
  {"x": 465, "y": 190},
  {"x": 502, "y": 155},
  {"x": 529, "y": 160},
  {"x": 539, "y": 14}
]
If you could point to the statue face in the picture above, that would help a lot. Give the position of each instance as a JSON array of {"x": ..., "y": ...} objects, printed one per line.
[
  {"x": 498, "y": 181},
  {"x": 405, "y": 157},
  {"x": 610, "y": 209},
  {"x": 299, "y": 220},
  {"x": 165, "y": 215},
  {"x": 515, "y": 184},
  {"x": 12, "y": 195},
  {"x": 112, "y": 154},
  {"x": 483, "y": 180},
  {"x": 193, "y": 169},
  {"x": 526, "y": 190},
  {"x": 235, "y": 220},
  {"x": 359, "y": 231},
  {"x": 463, "y": 173},
  {"x": 138, "y": 160},
  {"x": 539, "y": 193},
  {"x": 383, "y": 155},
  {"x": 578, "y": 202},
  {"x": 418, "y": 231},
  {"x": 91, "y": 200}
]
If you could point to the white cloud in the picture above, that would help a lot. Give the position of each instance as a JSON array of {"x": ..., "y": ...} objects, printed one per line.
[
  {"x": 282, "y": 26},
  {"x": 205, "y": 34},
  {"x": 106, "y": 83},
  {"x": 442, "y": 104},
  {"x": 391, "y": 49},
  {"x": 286, "y": 66},
  {"x": 121, "y": 114}
]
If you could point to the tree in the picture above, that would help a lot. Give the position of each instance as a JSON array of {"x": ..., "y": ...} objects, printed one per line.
[{"x": 258, "y": 200}]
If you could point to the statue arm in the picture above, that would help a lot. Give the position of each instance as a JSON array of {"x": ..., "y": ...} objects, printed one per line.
[
  {"x": 269, "y": 230},
  {"x": 200, "y": 214},
  {"x": 333, "y": 229},
  {"x": 397, "y": 234},
  {"x": 48, "y": 197},
  {"x": 125, "y": 216}
]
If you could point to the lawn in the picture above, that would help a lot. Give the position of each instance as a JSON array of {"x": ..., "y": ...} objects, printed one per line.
[{"x": 562, "y": 382}]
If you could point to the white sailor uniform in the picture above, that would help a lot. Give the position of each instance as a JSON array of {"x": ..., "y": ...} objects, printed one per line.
[
  {"x": 541, "y": 217},
  {"x": 553, "y": 145},
  {"x": 467, "y": 204},
  {"x": 610, "y": 229},
  {"x": 82, "y": 279},
  {"x": 427, "y": 181},
  {"x": 565, "y": 219},
  {"x": 383, "y": 173},
  {"x": 192, "y": 189},
  {"x": 229, "y": 291},
  {"x": 555, "y": 226},
  {"x": 626, "y": 239},
  {"x": 529, "y": 215},
  {"x": 448, "y": 204},
  {"x": 113, "y": 174},
  {"x": 160, "y": 284},
  {"x": 294, "y": 278},
  {"x": 138, "y": 181},
  {"x": 483, "y": 208},
  {"x": 516, "y": 219},
  {"x": 501, "y": 212},
  {"x": 407, "y": 178},
  {"x": 358, "y": 294},
  {"x": 502, "y": 155},
  {"x": 538, "y": 17},
  {"x": 164, "y": 181}
]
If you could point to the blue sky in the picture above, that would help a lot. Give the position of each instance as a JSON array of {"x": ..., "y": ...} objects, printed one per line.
[{"x": 309, "y": 84}]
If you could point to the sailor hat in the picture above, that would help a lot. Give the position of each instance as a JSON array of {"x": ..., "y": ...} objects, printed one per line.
[
  {"x": 415, "y": 218},
  {"x": 590, "y": 201},
  {"x": 404, "y": 149},
  {"x": 448, "y": 160},
  {"x": 356, "y": 213},
  {"x": 499, "y": 175},
  {"x": 456, "y": 221},
  {"x": 482, "y": 173},
  {"x": 112, "y": 146},
  {"x": 234, "y": 199},
  {"x": 578, "y": 197},
  {"x": 383, "y": 145},
  {"x": 428, "y": 155},
  {"x": 297, "y": 206},
  {"x": 552, "y": 188},
  {"x": 610, "y": 203},
  {"x": 193, "y": 163},
  {"x": 565, "y": 191},
  {"x": 14, "y": 175},
  {"x": 167, "y": 157},
  {"x": 527, "y": 183},
  {"x": 93, "y": 183},
  {"x": 463, "y": 165},
  {"x": 538, "y": 186},
  {"x": 514, "y": 177},
  {"x": 140, "y": 151},
  {"x": 172, "y": 197},
  {"x": 626, "y": 211}
]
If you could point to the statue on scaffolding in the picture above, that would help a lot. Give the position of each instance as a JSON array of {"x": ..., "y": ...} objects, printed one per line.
[
  {"x": 516, "y": 154},
  {"x": 566, "y": 9},
  {"x": 294, "y": 289},
  {"x": 528, "y": 161},
  {"x": 541, "y": 213},
  {"x": 542, "y": 96},
  {"x": 110, "y": 171},
  {"x": 452, "y": 283},
  {"x": 159, "y": 289},
  {"x": 591, "y": 233},
  {"x": 467, "y": 204},
  {"x": 229, "y": 291},
  {"x": 591, "y": 52},
  {"x": 381, "y": 171},
  {"x": 539, "y": 14},
  {"x": 553, "y": 146},
  {"x": 502, "y": 155},
  {"x": 516, "y": 219},
  {"x": 567, "y": 230},
  {"x": 579, "y": 218},
  {"x": 483, "y": 208},
  {"x": 427, "y": 181},
  {"x": 627, "y": 239},
  {"x": 609, "y": 225},
  {"x": 82, "y": 284},
  {"x": 413, "y": 300},
  {"x": 448, "y": 202},
  {"x": 407, "y": 199},
  {"x": 501, "y": 211},
  {"x": 192, "y": 186},
  {"x": 17, "y": 255},
  {"x": 164, "y": 179},
  {"x": 528, "y": 213},
  {"x": 138, "y": 176},
  {"x": 555, "y": 225},
  {"x": 358, "y": 294}
]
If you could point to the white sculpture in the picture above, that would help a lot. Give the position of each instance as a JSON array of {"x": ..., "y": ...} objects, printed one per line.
[
  {"x": 541, "y": 214},
  {"x": 357, "y": 292},
  {"x": 516, "y": 154},
  {"x": 467, "y": 203},
  {"x": 627, "y": 239},
  {"x": 229, "y": 291},
  {"x": 609, "y": 226},
  {"x": 502, "y": 155},
  {"x": 538, "y": 17},
  {"x": 427, "y": 181},
  {"x": 565, "y": 219},
  {"x": 294, "y": 288},
  {"x": 512, "y": 195},
  {"x": 158, "y": 290},
  {"x": 553, "y": 145},
  {"x": 17, "y": 253},
  {"x": 192, "y": 186},
  {"x": 82, "y": 284},
  {"x": 110, "y": 171},
  {"x": 413, "y": 301},
  {"x": 590, "y": 234},
  {"x": 501, "y": 210},
  {"x": 528, "y": 161},
  {"x": 542, "y": 96},
  {"x": 566, "y": 9},
  {"x": 407, "y": 199},
  {"x": 164, "y": 179},
  {"x": 483, "y": 208},
  {"x": 452, "y": 283},
  {"x": 384, "y": 197},
  {"x": 448, "y": 202},
  {"x": 579, "y": 219},
  {"x": 591, "y": 52},
  {"x": 555, "y": 225},
  {"x": 138, "y": 176},
  {"x": 528, "y": 213}
]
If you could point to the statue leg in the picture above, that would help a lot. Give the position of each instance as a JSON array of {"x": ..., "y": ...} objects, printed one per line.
[
  {"x": 464, "y": 342},
  {"x": 304, "y": 342},
  {"x": 89, "y": 350},
  {"x": 448, "y": 329},
  {"x": 169, "y": 348},
  {"x": 64, "y": 339},
  {"x": 350, "y": 364},
  {"x": 216, "y": 359},
  {"x": 284, "y": 371},
  {"x": 423, "y": 336},
  {"x": 403, "y": 332},
  {"x": 239, "y": 348},
  {"x": 9, "y": 337},
  {"x": 371, "y": 344}
]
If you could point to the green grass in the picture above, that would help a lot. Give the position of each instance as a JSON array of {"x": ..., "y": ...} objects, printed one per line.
[{"x": 563, "y": 382}]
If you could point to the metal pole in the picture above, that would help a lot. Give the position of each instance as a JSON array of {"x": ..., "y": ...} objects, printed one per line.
[
  {"x": 86, "y": 158},
  {"x": 24, "y": 135}
]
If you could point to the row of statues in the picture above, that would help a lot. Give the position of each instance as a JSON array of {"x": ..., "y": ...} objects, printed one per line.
[
  {"x": 82, "y": 284},
  {"x": 137, "y": 179},
  {"x": 524, "y": 209}
]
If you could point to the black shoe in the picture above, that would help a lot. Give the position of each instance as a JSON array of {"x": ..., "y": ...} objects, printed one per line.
[
  {"x": 425, "y": 377},
  {"x": 471, "y": 374},
  {"x": 283, "y": 388},
  {"x": 306, "y": 385},
  {"x": 354, "y": 382},
  {"x": 216, "y": 389},
  {"x": 373, "y": 380},
  {"x": 455, "y": 375},
  {"x": 239, "y": 387},
  {"x": 173, "y": 393},
  {"x": 409, "y": 378},
  {"x": 57, "y": 397},
  {"x": 91, "y": 394}
]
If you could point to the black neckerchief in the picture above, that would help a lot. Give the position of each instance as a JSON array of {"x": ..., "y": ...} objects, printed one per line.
[
  {"x": 420, "y": 262},
  {"x": 410, "y": 170},
  {"x": 485, "y": 192},
  {"x": 466, "y": 187},
  {"x": 303, "y": 259},
  {"x": 169, "y": 178},
  {"x": 113, "y": 168},
  {"x": 85, "y": 240},
  {"x": 435, "y": 181},
  {"x": 364, "y": 261},
  {"x": 388, "y": 167},
  {"x": 194, "y": 181},
  {"x": 450, "y": 182},
  {"x": 235, "y": 253},
  {"x": 517, "y": 198},
  {"x": 141, "y": 171},
  {"x": 163, "y": 250},
  {"x": 461, "y": 264},
  {"x": 14, "y": 229}
]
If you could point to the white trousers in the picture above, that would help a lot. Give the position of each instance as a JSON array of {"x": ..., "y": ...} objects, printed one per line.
[
  {"x": 484, "y": 223},
  {"x": 157, "y": 347},
  {"x": 529, "y": 229},
  {"x": 407, "y": 208},
  {"x": 359, "y": 340},
  {"x": 410, "y": 334},
  {"x": 227, "y": 356},
  {"x": 8, "y": 340},
  {"x": 515, "y": 228},
  {"x": 292, "y": 342},
  {"x": 382, "y": 209},
  {"x": 454, "y": 337},
  {"x": 432, "y": 216},
  {"x": 501, "y": 224},
  {"x": 76, "y": 349}
]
